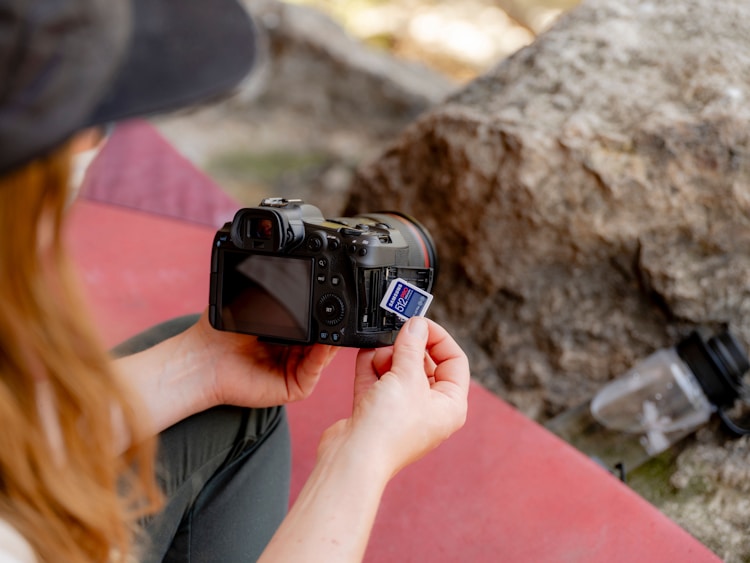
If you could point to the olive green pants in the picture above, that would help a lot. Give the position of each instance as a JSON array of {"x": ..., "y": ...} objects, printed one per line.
[{"x": 225, "y": 474}]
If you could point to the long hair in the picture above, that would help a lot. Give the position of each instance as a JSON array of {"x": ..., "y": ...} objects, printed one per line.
[{"x": 64, "y": 412}]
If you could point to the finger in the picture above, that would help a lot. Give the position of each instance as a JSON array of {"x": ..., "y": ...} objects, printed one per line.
[
  {"x": 317, "y": 356},
  {"x": 331, "y": 352},
  {"x": 315, "y": 359},
  {"x": 440, "y": 344},
  {"x": 382, "y": 360},
  {"x": 429, "y": 365},
  {"x": 453, "y": 377},
  {"x": 409, "y": 348},
  {"x": 452, "y": 371},
  {"x": 364, "y": 364},
  {"x": 364, "y": 373}
]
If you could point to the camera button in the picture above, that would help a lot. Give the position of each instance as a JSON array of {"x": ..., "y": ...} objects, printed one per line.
[
  {"x": 314, "y": 243},
  {"x": 335, "y": 281},
  {"x": 321, "y": 278},
  {"x": 331, "y": 309},
  {"x": 322, "y": 263},
  {"x": 335, "y": 336},
  {"x": 333, "y": 244},
  {"x": 362, "y": 251},
  {"x": 323, "y": 335}
]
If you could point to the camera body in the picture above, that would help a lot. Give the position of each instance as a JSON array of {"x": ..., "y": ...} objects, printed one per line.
[{"x": 283, "y": 272}]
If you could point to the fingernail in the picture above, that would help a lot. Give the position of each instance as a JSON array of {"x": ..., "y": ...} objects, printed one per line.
[{"x": 417, "y": 327}]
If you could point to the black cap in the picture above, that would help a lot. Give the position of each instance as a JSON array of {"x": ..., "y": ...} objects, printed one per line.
[
  {"x": 718, "y": 364},
  {"x": 66, "y": 65}
]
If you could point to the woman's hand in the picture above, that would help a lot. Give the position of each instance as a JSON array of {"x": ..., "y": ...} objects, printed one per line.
[
  {"x": 202, "y": 368},
  {"x": 241, "y": 370},
  {"x": 408, "y": 398}
]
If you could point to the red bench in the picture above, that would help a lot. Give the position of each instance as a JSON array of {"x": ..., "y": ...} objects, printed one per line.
[{"x": 502, "y": 489}]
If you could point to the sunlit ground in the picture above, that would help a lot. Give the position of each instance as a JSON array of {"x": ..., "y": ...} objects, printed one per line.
[{"x": 461, "y": 38}]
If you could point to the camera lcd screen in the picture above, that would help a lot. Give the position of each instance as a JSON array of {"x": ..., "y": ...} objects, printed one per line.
[{"x": 266, "y": 295}]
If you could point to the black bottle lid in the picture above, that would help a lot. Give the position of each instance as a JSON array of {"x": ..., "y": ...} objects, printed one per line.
[{"x": 718, "y": 364}]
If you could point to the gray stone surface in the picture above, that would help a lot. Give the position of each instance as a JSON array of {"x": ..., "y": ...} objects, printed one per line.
[{"x": 590, "y": 199}]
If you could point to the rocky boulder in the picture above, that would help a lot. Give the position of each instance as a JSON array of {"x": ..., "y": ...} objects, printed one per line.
[
  {"x": 590, "y": 200},
  {"x": 590, "y": 196}
]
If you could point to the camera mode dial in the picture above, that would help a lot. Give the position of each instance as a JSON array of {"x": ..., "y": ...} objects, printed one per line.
[{"x": 331, "y": 309}]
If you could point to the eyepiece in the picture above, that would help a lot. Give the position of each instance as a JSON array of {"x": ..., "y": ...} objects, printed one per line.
[{"x": 267, "y": 229}]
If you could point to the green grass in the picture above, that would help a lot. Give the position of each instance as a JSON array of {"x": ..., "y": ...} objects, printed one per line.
[{"x": 266, "y": 168}]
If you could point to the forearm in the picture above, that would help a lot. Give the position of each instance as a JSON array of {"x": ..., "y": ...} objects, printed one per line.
[
  {"x": 169, "y": 380},
  {"x": 332, "y": 518}
]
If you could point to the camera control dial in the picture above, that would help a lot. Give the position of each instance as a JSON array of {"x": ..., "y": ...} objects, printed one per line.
[
  {"x": 331, "y": 309},
  {"x": 314, "y": 243}
]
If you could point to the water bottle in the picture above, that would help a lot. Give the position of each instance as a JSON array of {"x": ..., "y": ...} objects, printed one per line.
[{"x": 658, "y": 402}]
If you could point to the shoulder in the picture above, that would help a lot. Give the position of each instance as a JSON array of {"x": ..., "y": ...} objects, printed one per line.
[{"x": 13, "y": 547}]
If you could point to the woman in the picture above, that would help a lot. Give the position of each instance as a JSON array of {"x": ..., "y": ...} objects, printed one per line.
[{"x": 78, "y": 480}]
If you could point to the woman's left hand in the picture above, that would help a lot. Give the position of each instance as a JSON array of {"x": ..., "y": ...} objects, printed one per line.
[{"x": 246, "y": 372}]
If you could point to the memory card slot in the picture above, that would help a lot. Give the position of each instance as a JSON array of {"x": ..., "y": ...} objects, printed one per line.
[
  {"x": 370, "y": 292},
  {"x": 420, "y": 277}
]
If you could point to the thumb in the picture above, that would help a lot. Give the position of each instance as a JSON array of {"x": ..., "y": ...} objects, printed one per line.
[{"x": 408, "y": 350}]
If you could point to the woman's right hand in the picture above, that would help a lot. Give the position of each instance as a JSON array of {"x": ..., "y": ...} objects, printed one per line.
[{"x": 408, "y": 398}]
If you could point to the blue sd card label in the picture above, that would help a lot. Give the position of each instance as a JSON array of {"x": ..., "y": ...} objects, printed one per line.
[{"x": 406, "y": 300}]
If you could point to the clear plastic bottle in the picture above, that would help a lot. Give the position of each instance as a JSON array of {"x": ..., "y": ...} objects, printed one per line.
[{"x": 658, "y": 402}]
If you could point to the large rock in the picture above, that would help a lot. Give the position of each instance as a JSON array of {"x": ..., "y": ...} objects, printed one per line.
[
  {"x": 590, "y": 195},
  {"x": 590, "y": 199}
]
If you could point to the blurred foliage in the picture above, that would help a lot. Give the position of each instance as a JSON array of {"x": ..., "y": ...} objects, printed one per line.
[{"x": 459, "y": 38}]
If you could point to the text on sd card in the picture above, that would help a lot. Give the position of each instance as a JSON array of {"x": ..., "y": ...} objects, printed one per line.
[{"x": 406, "y": 300}]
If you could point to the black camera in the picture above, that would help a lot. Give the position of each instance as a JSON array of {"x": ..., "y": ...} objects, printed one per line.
[{"x": 283, "y": 272}]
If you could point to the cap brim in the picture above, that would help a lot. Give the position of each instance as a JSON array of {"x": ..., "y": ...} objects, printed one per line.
[{"x": 181, "y": 52}]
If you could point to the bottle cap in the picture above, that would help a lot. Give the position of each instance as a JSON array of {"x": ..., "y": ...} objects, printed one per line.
[{"x": 718, "y": 364}]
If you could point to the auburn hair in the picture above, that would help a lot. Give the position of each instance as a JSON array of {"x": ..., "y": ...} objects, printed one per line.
[{"x": 65, "y": 414}]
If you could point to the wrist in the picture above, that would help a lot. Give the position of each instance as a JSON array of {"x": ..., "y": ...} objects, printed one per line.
[
  {"x": 333, "y": 515},
  {"x": 170, "y": 379},
  {"x": 342, "y": 444},
  {"x": 191, "y": 371}
]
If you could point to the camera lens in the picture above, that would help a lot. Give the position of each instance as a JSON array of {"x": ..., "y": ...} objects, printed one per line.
[{"x": 422, "y": 253}]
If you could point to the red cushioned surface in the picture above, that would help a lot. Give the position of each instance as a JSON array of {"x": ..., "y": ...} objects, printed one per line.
[{"x": 501, "y": 489}]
